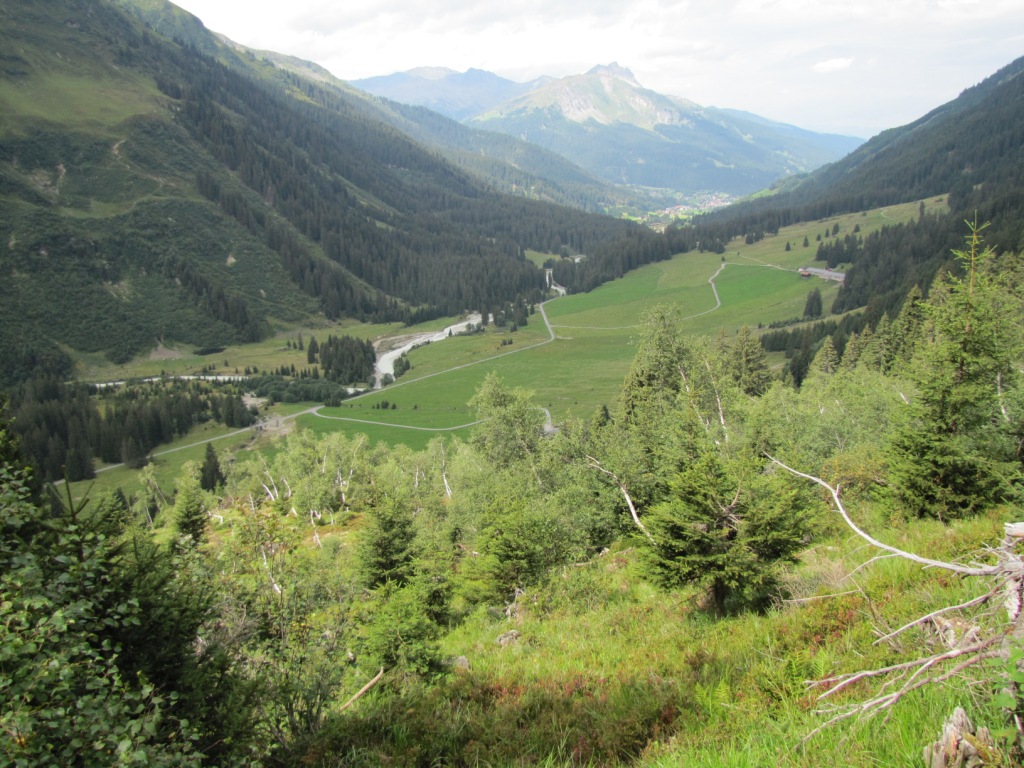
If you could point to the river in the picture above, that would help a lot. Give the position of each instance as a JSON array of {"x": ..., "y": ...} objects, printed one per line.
[{"x": 386, "y": 360}]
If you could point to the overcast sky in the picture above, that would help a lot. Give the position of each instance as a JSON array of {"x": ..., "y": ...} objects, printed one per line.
[{"x": 842, "y": 66}]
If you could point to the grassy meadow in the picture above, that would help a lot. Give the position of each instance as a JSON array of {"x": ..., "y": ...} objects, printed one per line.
[
  {"x": 604, "y": 660},
  {"x": 583, "y": 368},
  {"x": 580, "y": 370}
]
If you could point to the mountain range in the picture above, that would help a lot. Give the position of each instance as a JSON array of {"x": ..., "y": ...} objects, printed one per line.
[
  {"x": 458, "y": 95},
  {"x": 179, "y": 189},
  {"x": 610, "y": 125},
  {"x": 159, "y": 183}
]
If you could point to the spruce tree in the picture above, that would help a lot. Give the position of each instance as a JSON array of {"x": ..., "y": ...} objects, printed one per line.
[
  {"x": 826, "y": 362},
  {"x": 190, "y": 507},
  {"x": 726, "y": 526},
  {"x": 712, "y": 515},
  {"x": 813, "y": 306},
  {"x": 385, "y": 548},
  {"x": 956, "y": 450},
  {"x": 211, "y": 477},
  {"x": 748, "y": 363}
]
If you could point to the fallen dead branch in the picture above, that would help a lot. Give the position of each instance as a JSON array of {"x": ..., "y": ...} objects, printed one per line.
[{"x": 1002, "y": 581}]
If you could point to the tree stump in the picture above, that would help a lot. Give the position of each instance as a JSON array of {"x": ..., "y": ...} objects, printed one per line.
[{"x": 960, "y": 746}]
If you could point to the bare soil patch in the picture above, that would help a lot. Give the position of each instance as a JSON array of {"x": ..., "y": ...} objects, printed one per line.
[{"x": 163, "y": 353}]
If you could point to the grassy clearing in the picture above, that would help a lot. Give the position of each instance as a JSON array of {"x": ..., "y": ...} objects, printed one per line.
[
  {"x": 415, "y": 438},
  {"x": 167, "y": 461},
  {"x": 77, "y": 100},
  {"x": 609, "y": 671},
  {"x": 538, "y": 257}
]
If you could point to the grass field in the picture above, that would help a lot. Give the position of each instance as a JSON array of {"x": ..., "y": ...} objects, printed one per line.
[
  {"x": 584, "y": 366},
  {"x": 167, "y": 461},
  {"x": 572, "y": 375}
]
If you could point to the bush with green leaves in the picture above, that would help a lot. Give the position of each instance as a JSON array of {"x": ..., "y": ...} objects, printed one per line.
[{"x": 64, "y": 697}]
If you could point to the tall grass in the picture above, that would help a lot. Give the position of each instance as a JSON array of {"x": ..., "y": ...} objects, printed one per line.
[{"x": 609, "y": 671}]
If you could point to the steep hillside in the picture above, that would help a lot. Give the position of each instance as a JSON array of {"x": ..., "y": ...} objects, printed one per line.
[
  {"x": 978, "y": 138},
  {"x": 175, "y": 195},
  {"x": 513, "y": 166},
  {"x": 504, "y": 163},
  {"x": 969, "y": 151},
  {"x": 607, "y": 123}
]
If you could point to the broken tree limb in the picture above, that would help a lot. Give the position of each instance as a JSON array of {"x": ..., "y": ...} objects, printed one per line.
[
  {"x": 595, "y": 464},
  {"x": 1004, "y": 580},
  {"x": 362, "y": 690},
  {"x": 955, "y": 567}
]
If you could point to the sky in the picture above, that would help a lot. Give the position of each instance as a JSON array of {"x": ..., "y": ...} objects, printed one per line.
[{"x": 836, "y": 66}]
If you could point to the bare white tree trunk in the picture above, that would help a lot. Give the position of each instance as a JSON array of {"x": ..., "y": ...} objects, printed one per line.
[
  {"x": 595, "y": 464},
  {"x": 980, "y": 642}
]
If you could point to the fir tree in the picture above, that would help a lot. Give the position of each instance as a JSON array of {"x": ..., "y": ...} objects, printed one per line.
[
  {"x": 956, "y": 450},
  {"x": 211, "y": 476}
]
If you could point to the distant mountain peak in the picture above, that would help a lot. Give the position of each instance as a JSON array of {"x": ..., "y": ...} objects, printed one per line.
[
  {"x": 615, "y": 70},
  {"x": 608, "y": 94},
  {"x": 432, "y": 73}
]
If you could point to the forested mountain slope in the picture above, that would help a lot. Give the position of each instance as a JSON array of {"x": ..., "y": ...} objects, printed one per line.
[
  {"x": 173, "y": 195},
  {"x": 513, "y": 166},
  {"x": 505, "y": 163},
  {"x": 976, "y": 139},
  {"x": 971, "y": 149}
]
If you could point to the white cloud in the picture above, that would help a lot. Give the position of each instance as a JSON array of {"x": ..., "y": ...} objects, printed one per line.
[
  {"x": 897, "y": 58},
  {"x": 832, "y": 65}
]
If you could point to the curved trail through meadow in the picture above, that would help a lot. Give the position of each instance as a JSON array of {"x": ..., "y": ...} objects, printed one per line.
[
  {"x": 548, "y": 424},
  {"x": 711, "y": 282},
  {"x": 315, "y": 410}
]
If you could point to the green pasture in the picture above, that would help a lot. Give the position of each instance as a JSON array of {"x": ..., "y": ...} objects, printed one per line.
[
  {"x": 580, "y": 370},
  {"x": 415, "y": 438},
  {"x": 538, "y": 257},
  {"x": 266, "y": 355},
  {"x": 78, "y": 99},
  {"x": 583, "y": 368},
  {"x": 167, "y": 461},
  {"x": 455, "y": 351}
]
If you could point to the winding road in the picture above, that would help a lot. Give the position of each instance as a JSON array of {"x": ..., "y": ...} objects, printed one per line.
[{"x": 419, "y": 339}]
